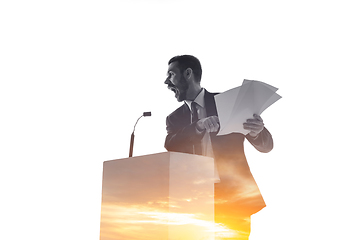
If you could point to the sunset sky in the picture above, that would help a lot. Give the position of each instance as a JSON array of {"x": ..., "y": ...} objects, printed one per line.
[{"x": 76, "y": 75}]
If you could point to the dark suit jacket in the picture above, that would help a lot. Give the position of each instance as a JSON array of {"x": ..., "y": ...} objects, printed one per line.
[{"x": 237, "y": 183}]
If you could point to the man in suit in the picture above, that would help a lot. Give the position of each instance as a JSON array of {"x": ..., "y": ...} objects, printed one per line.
[{"x": 192, "y": 128}]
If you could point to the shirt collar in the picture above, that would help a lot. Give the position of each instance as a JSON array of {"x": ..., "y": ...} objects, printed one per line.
[{"x": 200, "y": 99}]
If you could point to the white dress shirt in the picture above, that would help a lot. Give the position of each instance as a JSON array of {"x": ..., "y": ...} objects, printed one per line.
[{"x": 200, "y": 100}]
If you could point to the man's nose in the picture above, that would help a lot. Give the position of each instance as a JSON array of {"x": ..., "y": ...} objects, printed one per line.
[{"x": 167, "y": 81}]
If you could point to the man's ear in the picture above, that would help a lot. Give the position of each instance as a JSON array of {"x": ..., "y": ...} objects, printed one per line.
[{"x": 188, "y": 73}]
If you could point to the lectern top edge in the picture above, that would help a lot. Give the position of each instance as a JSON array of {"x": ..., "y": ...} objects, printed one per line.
[{"x": 160, "y": 154}]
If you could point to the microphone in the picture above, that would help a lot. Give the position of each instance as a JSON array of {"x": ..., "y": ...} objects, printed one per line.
[{"x": 145, "y": 114}]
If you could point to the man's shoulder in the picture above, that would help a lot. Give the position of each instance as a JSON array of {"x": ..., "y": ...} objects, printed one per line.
[{"x": 210, "y": 93}]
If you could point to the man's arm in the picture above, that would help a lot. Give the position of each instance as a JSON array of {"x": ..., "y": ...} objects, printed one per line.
[
  {"x": 181, "y": 139},
  {"x": 263, "y": 142},
  {"x": 259, "y": 136}
]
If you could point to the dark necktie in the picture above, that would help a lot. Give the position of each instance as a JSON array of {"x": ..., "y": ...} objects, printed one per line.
[
  {"x": 194, "y": 118},
  {"x": 194, "y": 113}
]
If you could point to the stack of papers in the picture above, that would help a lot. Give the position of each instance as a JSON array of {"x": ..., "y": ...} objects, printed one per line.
[{"x": 237, "y": 105}]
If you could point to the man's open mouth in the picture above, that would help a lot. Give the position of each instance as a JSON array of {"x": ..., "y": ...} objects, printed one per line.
[{"x": 174, "y": 89}]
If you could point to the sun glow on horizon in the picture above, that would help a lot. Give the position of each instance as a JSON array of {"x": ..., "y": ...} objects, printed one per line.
[{"x": 128, "y": 220}]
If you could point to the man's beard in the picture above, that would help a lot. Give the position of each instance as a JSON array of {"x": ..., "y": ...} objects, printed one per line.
[{"x": 183, "y": 88}]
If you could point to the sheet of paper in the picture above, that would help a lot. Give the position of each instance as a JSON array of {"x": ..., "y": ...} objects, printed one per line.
[{"x": 237, "y": 105}]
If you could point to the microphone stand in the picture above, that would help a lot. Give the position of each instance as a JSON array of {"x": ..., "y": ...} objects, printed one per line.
[{"x": 145, "y": 114}]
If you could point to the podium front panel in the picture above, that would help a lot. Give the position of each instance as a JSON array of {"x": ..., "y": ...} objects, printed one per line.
[{"x": 160, "y": 196}]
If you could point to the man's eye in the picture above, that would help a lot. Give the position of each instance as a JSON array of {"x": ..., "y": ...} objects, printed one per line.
[{"x": 171, "y": 75}]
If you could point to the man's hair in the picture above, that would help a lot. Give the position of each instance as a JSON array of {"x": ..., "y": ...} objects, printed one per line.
[{"x": 188, "y": 61}]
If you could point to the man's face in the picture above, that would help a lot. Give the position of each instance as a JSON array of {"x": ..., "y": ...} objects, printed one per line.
[{"x": 176, "y": 82}]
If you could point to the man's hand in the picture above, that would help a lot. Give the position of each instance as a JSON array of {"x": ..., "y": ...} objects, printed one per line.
[
  {"x": 210, "y": 124},
  {"x": 255, "y": 125}
]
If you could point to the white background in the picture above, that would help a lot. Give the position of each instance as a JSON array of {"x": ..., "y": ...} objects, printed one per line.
[{"x": 76, "y": 75}]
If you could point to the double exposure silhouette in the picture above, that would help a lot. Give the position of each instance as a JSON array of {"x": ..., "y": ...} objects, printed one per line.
[{"x": 202, "y": 188}]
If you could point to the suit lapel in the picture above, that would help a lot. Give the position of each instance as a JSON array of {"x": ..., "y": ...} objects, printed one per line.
[{"x": 186, "y": 114}]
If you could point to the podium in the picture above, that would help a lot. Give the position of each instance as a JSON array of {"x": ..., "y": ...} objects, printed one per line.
[{"x": 159, "y": 197}]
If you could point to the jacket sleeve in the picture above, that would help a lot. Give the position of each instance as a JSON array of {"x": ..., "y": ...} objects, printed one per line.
[
  {"x": 262, "y": 142},
  {"x": 181, "y": 139}
]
